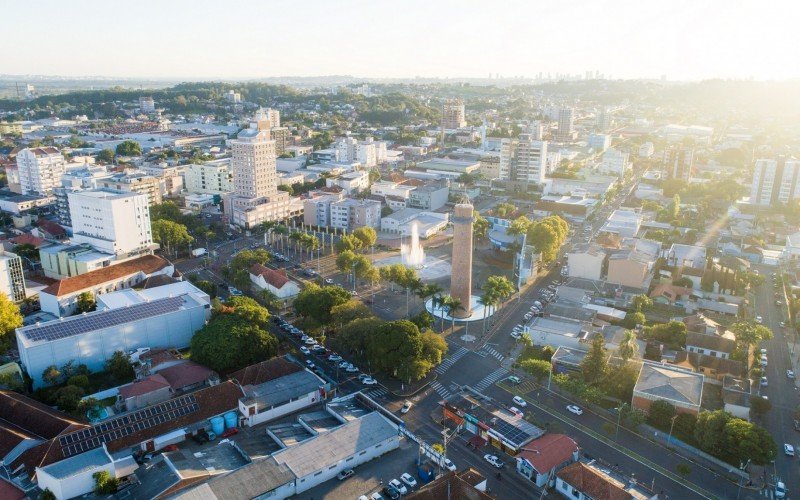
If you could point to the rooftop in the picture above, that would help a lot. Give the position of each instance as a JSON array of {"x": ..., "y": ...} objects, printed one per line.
[
  {"x": 78, "y": 464},
  {"x": 275, "y": 277},
  {"x": 594, "y": 483},
  {"x": 549, "y": 451},
  {"x": 146, "y": 264},
  {"x": 673, "y": 384},
  {"x": 282, "y": 390},
  {"x": 250, "y": 481},
  {"x": 265, "y": 371}
]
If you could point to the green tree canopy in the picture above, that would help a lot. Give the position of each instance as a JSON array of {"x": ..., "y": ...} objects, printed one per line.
[
  {"x": 129, "y": 148},
  {"x": 86, "y": 302},
  {"x": 366, "y": 235},
  {"x": 230, "y": 342},
  {"x": 105, "y": 156},
  {"x": 120, "y": 367},
  {"x": 10, "y": 320},
  {"x": 660, "y": 414},
  {"x": 316, "y": 302},
  {"x": 170, "y": 234},
  {"x": 628, "y": 348},
  {"x": 537, "y": 368},
  {"x": 594, "y": 363}
]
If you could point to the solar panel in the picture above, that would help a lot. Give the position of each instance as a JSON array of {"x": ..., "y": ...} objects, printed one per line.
[{"x": 70, "y": 327}]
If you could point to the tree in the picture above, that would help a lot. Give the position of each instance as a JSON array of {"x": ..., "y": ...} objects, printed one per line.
[
  {"x": 660, "y": 414},
  {"x": 120, "y": 367},
  {"x": 366, "y": 235},
  {"x": 129, "y": 148},
  {"x": 170, "y": 234},
  {"x": 503, "y": 210},
  {"x": 68, "y": 397},
  {"x": 519, "y": 226},
  {"x": 348, "y": 242},
  {"x": 641, "y": 302},
  {"x": 683, "y": 281},
  {"x": 238, "y": 271},
  {"x": 105, "y": 483},
  {"x": 628, "y": 348},
  {"x": 349, "y": 311},
  {"x": 317, "y": 302},
  {"x": 594, "y": 363},
  {"x": 633, "y": 319},
  {"x": 230, "y": 342},
  {"x": 480, "y": 227},
  {"x": 10, "y": 320},
  {"x": 672, "y": 333},
  {"x": 423, "y": 320},
  {"x": 47, "y": 495},
  {"x": 81, "y": 381},
  {"x": 52, "y": 375},
  {"x": 749, "y": 333},
  {"x": 27, "y": 251},
  {"x": 759, "y": 407},
  {"x": 86, "y": 303},
  {"x": 249, "y": 310},
  {"x": 537, "y": 368},
  {"x": 105, "y": 156}
]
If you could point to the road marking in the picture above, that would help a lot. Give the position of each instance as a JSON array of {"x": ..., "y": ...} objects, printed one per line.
[
  {"x": 491, "y": 379},
  {"x": 376, "y": 393},
  {"x": 451, "y": 360},
  {"x": 494, "y": 352},
  {"x": 440, "y": 389}
]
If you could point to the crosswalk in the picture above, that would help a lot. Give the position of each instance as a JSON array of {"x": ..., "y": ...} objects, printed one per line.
[
  {"x": 193, "y": 270},
  {"x": 378, "y": 392},
  {"x": 491, "y": 351},
  {"x": 491, "y": 379},
  {"x": 451, "y": 360},
  {"x": 440, "y": 389},
  {"x": 767, "y": 493}
]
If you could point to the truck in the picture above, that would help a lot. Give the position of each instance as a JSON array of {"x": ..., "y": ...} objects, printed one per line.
[{"x": 197, "y": 252}]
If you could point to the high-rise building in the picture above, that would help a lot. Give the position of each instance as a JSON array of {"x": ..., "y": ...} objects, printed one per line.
[
  {"x": 281, "y": 137},
  {"x": 12, "y": 280},
  {"x": 566, "y": 122},
  {"x": 523, "y": 159},
  {"x": 147, "y": 105},
  {"x": 255, "y": 197},
  {"x": 40, "y": 170},
  {"x": 453, "y": 115},
  {"x": 273, "y": 116},
  {"x": 349, "y": 150},
  {"x": 775, "y": 181},
  {"x": 602, "y": 120},
  {"x": 614, "y": 162},
  {"x": 678, "y": 162},
  {"x": 134, "y": 182},
  {"x": 113, "y": 222},
  {"x": 211, "y": 177},
  {"x": 536, "y": 130}
]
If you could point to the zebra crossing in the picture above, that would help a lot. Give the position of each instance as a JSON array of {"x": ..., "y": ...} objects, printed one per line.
[
  {"x": 768, "y": 493},
  {"x": 192, "y": 270},
  {"x": 440, "y": 389},
  {"x": 491, "y": 379},
  {"x": 451, "y": 360},
  {"x": 491, "y": 351},
  {"x": 378, "y": 392}
]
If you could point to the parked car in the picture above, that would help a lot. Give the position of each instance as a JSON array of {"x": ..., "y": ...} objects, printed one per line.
[
  {"x": 789, "y": 373},
  {"x": 377, "y": 496},
  {"x": 764, "y": 382},
  {"x": 310, "y": 364},
  {"x": 788, "y": 450},
  {"x": 514, "y": 379},
  {"x": 351, "y": 369},
  {"x": 394, "y": 483},
  {"x": 310, "y": 341},
  {"x": 410, "y": 481},
  {"x": 369, "y": 381},
  {"x": 759, "y": 319},
  {"x": 494, "y": 461},
  {"x": 780, "y": 490},
  {"x": 391, "y": 492},
  {"x": 304, "y": 350},
  {"x": 229, "y": 432},
  {"x": 516, "y": 411},
  {"x": 345, "y": 474},
  {"x": 575, "y": 409},
  {"x": 519, "y": 401},
  {"x": 334, "y": 357}
]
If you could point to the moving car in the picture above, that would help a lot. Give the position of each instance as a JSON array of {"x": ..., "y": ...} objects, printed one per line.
[
  {"x": 788, "y": 450},
  {"x": 789, "y": 374},
  {"x": 494, "y": 461},
  {"x": 406, "y": 406},
  {"x": 410, "y": 481},
  {"x": 518, "y": 400},
  {"x": 345, "y": 474},
  {"x": 369, "y": 381},
  {"x": 514, "y": 379},
  {"x": 575, "y": 409},
  {"x": 394, "y": 483},
  {"x": 780, "y": 490}
]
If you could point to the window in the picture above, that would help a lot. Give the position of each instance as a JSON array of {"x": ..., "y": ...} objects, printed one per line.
[
  {"x": 363, "y": 453},
  {"x": 332, "y": 467},
  {"x": 318, "y": 473},
  {"x": 349, "y": 459}
]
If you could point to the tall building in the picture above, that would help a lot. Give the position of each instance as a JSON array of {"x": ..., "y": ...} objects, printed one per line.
[
  {"x": 602, "y": 120},
  {"x": 134, "y": 182},
  {"x": 12, "y": 280},
  {"x": 350, "y": 150},
  {"x": 147, "y": 105},
  {"x": 40, "y": 170},
  {"x": 614, "y": 162},
  {"x": 113, "y": 222},
  {"x": 775, "y": 181},
  {"x": 678, "y": 162},
  {"x": 255, "y": 197},
  {"x": 352, "y": 214},
  {"x": 273, "y": 116},
  {"x": 523, "y": 159},
  {"x": 453, "y": 115},
  {"x": 566, "y": 122},
  {"x": 211, "y": 177},
  {"x": 281, "y": 137},
  {"x": 461, "y": 280}
]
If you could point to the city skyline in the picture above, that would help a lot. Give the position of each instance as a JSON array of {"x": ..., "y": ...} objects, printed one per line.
[{"x": 623, "y": 39}]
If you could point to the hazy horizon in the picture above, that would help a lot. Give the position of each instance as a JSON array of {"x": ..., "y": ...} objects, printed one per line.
[{"x": 182, "y": 40}]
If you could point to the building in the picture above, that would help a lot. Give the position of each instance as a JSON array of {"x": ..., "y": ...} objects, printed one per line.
[
  {"x": 624, "y": 223},
  {"x": 432, "y": 196},
  {"x": 402, "y": 221},
  {"x": 351, "y": 182},
  {"x": 775, "y": 182},
  {"x": 466, "y": 484},
  {"x": 578, "y": 205},
  {"x": 275, "y": 388},
  {"x": 256, "y": 197},
  {"x": 629, "y": 267},
  {"x": 147, "y": 105},
  {"x": 587, "y": 262},
  {"x": 165, "y": 317},
  {"x": 113, "y": 222},
  {"x": 274, "y": 280},
  {"x": 453, "y": 115},
  {"x": 134, "y": 182},
  {"x": 594, "y": 188},
  {"x": 61, "y": 297},
  {"x": 678, "y": 162},
  {"x": 602, "y": 120},
  {"x": 710, "y": 345},
  {"x": 40, "y": 170},
  {"x": 281, "y": 137},
  {"x": 387, "y": 188},
  {"x": 12, "y": 279},
  {"x": 646, "y": 150},
  {"x": 63, "y": 261},
  {"x": 73, "y": 477},
  {"x": 599, "y": 142},
  {"x": 681, "y": 388},
  {"x": 614, "y": 162},
  {"x": 713, "y": 368},
  {"x": 271, "y": 116},
  {"x": 144, "y": 392},
  {"x": 566, "y": 332},
  {"x": 687, "y": 256},
  {"x": 582, "y": 481},
  {"x": 543, "y": 457},
  {"x": 523, "y": 160},
  {"x": 322, "y": 457},
  {"x": 351, "y": 214},
  {"x": 566, "y": 122},
  {"x": 211, "y": 177},
  {"x": 317, "y": 209}
]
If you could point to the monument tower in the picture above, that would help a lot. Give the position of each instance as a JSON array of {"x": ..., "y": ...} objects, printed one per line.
[{"x": 461, "y": 279}]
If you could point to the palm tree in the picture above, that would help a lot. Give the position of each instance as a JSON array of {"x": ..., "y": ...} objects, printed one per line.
[
  {"x": 429, "y": 290},
  {"x": 453, "y": 305},
  {"x": 443, "y": 301}
]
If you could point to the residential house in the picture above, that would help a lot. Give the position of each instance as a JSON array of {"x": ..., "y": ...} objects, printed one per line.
[
  {"x": 581, "y": 481},
  {"x": 467, "y": 484},
  {"x": 275, "y": 281},
  {"x": 687, "y": 256},
  {"x": 736, "y": 396},
  {"x": 567, "y": 359},
  {"x": 543, "y": 457},
  {"x": 710, "y": 345},
  {"x": 679, "y": 387},
  {"x": 714, "y": 369},
  {"x": 629, "y": 268},
  {"x": 664, "y": 293},
  {"x": 145, "y": 392}
]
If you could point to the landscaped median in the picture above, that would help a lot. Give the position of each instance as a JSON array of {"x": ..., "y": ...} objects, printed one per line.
[{"x": 611, "y": 443}]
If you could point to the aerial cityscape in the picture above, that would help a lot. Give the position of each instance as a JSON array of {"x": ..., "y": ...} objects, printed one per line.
[{"x": 373, "y": 250}]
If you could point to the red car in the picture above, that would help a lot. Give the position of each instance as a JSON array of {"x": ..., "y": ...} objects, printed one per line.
[{"x": 230, "y": 432}]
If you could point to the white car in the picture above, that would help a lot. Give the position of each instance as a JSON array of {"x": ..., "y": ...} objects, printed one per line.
[
  {"x": 780, "y": 490},
  {"x": 410, "y": 481},
  {"x": 449, "y": 465},
  {"x": 310, "y": 341},
  {"x": 344, "y": 364},
  {"x": 351, "y": 369},
  {"x": 528, "y": 316},
  {"x": 406, "y": 406},
  {"x": 394, "y": 483},
  {"x": 516, "y": 334},
  {"x": 764, "y": 382},
  {"x": 575, "y": 409},
  {"x": 376, "y": 496},
  {"x": 759, "y": 319},
  {"x": 304, "y": 350},
  {"x": 310, "y": 364},
  {"x": 764, "y": 352},
  {"x": 516, "y": 411},
  {"x": 763, "y": 361},
  {"x": 334, "y": 357},
  {"x": 789, "y": 374},
  {"x": 519, "y": 401},
  {"x": 788, "y": 450},
  {"x": 494, "y": 461},
  {"x": 369, "y": 381}
]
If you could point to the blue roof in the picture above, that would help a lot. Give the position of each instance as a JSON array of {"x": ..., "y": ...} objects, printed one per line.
[{"x": 78, "y": 464}]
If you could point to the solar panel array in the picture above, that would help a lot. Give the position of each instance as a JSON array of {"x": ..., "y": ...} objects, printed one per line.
[
  {"x": 55, "y": 330},
  {"x": 514, "y": 434},
  {"x": 78, "y": 442}
]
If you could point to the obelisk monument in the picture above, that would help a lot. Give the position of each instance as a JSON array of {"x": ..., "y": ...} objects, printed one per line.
[{"x": 461, "y": 279}]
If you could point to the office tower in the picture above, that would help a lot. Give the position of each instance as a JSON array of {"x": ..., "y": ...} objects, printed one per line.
[
  {"x": 566, "y": 121},
  {"x": 602, "y": 121},
  {"x": 40, "y": 170},
  {"x": 461, "y": 280},
  {"x": 134, "y": 182},
  {"x": 775, "y": 181},
  {"x": 453, "y": 115},
  {"x": 273, "y": 116},
  {"x": 147, "y": 105},
  {"x": 114, "y": 222},
  {"x": 678, "y": 162}
]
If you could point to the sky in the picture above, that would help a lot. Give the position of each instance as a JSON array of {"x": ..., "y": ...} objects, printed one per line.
[{"x": 197, "y": 39}]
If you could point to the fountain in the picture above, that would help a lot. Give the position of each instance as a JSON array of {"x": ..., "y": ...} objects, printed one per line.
[{"x": 412, "y": 254}]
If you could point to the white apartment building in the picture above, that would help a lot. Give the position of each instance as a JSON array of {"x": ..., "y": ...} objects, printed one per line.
[
  {"x": 40, "y": 170},
  {"x": 113, "y": 222},
  {"x": 599, "y": 142},
  {"x": 566, "y": 121},
  {"x": 317, "y": 211},
  {"x": 273, "y": 116},
  {"x": 453, "y": 114},
  {"x": 775, "y": 181},
  {"x": 211, "y": 177},
  {"x": 12, "y": 280},
  {"x": 255, "y": 197},
  {"x": 389, "y": 188},
  {"x": 147, "y": 105},
  {"x": 133, "y": 181},
  {"x": 345, "y": 148},
  {"x": 368, "y": 152},
  {"x": 523, "y": 160},
  {"x": 614, "y": 162},
  {"x": 351, "y": 214},
  {"x": 351, "y": 182}
]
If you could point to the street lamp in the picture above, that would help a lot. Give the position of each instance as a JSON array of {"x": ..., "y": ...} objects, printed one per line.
[
  {"x": 619, "y": 417},
  {"x": 672, "y": 425}
]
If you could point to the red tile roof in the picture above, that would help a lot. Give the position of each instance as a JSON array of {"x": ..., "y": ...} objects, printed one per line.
[
  {"x": 144, "y": 386},
  {"x": 185, "y": 374},
  {"x": 549, "y": 451},
  {"x": 32, "y": 417},
  {"x": 592, "y": 483},
  {"x": 27, "y": 239},
  {"x": 265, "y": 371},
  {"x": 10, "y": 492},
  {"x": 276, "y": 278},
  {"x": 51, "y": 227},
  {"x": 147, "y": 264}
]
